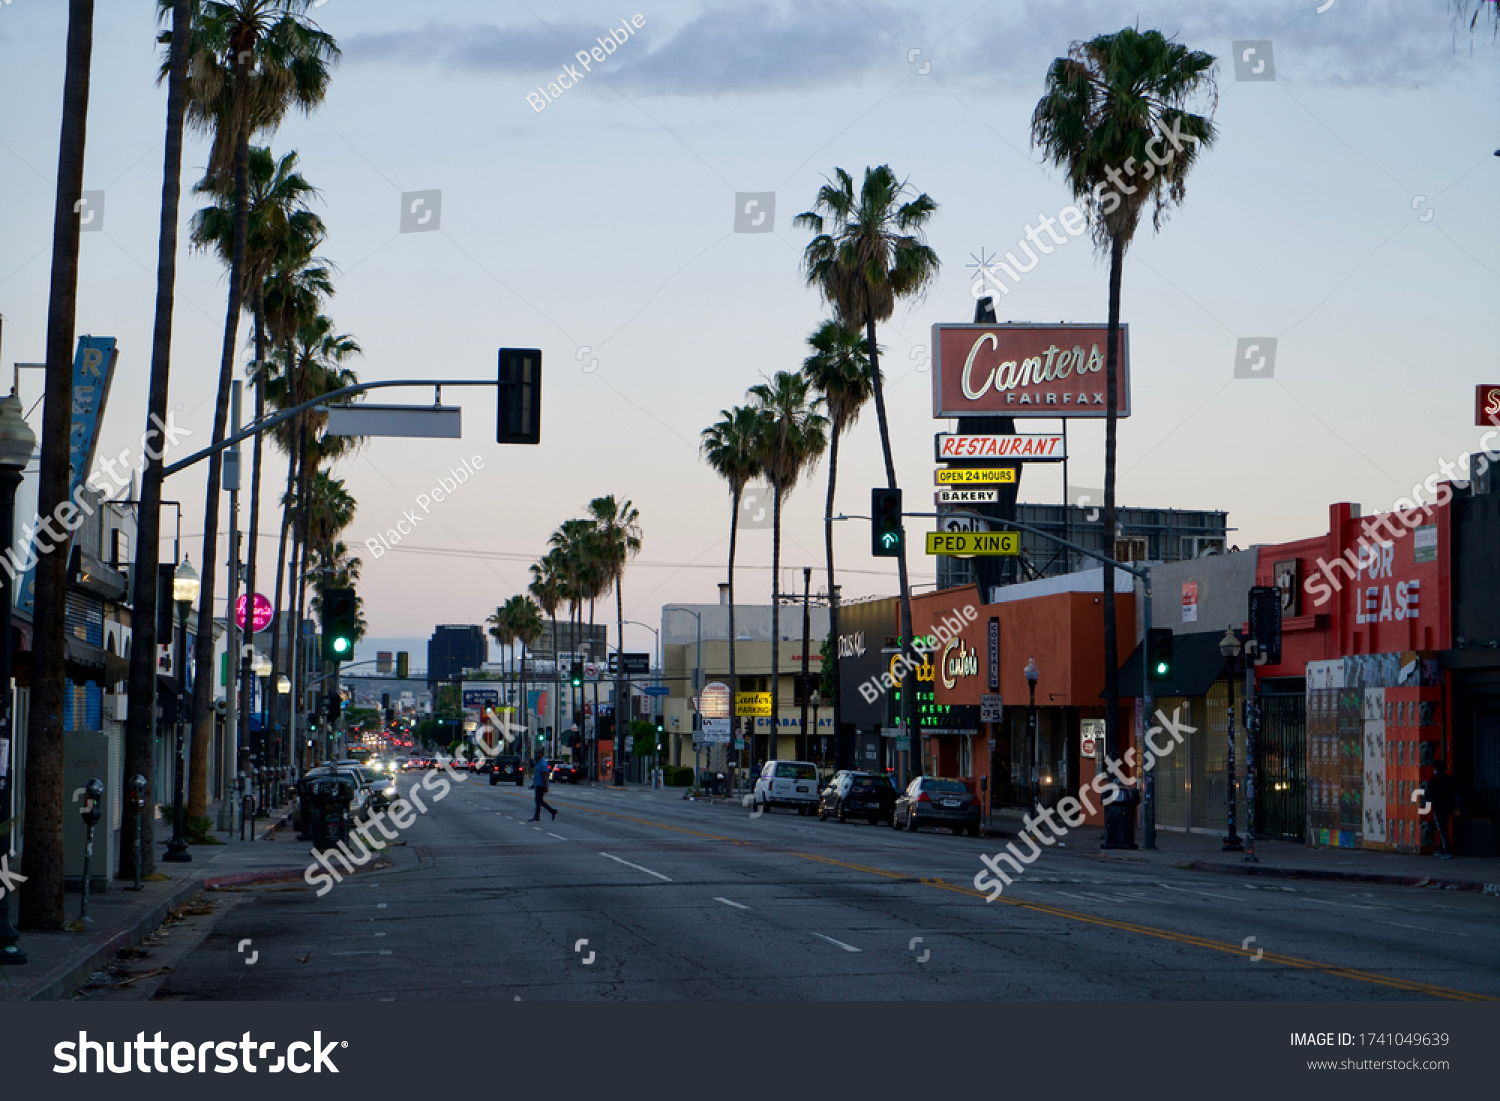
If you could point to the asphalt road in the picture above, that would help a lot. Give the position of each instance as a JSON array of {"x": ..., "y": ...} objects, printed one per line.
[{"x": 632, "y": 895}]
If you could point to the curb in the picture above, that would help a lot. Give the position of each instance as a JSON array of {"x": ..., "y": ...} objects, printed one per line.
[
  {"x": 1271, "y": 871},
  {"x": 66, "y": 977}
]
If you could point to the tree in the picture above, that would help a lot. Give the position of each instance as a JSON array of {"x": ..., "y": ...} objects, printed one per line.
[
  {"x": 793, "y": 435},
  {"x": 839, "y": 369},
  {"x": 546, "y": 589},
  {"x": 140, "y": 724},
  {"x": 617, "y": 539},
  {"x": 42, "y": 859},
  {"x": 251, "y": 62},
  {"x": 1110, "y": 106},
  {"x": 730, "y": 448},
  {"x": 871, "y": 255},
  {"x": 524, "y": 621}
]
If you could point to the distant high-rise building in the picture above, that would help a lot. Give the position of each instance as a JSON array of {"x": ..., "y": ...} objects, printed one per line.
[{"x": 453, "y": 648}]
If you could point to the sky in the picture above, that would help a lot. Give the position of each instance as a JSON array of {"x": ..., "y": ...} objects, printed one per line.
[{"x": 1341, "y": 212}]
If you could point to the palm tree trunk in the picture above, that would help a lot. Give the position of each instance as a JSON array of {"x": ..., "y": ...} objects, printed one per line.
[
  {"x": 622, "y": 693},
  {"x": 908, "y": 678},
  {"x": 140, "y": 725},
  {"x": 773, "y": 749},
  {"x": 1111, "y": 640},
  {"x": 280, "y": 612},
  {"x": 203, "y": 644},
  {"x": 260, "y": 411},
  {"x": 840, "y": 750},
  {"x": 595, "y": 657},
  {"x": 734, "y": 684},
  {"x": 301, "y": 559},
  {"x": 42, "y": 859}
]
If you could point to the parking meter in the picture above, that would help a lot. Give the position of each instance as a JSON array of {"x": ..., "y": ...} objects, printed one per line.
[
  {"x": 93, "y": 796},
  {"x": 138, "y": 799}
]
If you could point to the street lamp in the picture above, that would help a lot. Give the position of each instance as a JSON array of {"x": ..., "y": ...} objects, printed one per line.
[
  {"x": 620, "y": 778},
  {"x": 698, "y": 677},
  {"x": 1229, "y": 646},
  {"x": 185, "y": 586},
  {"x": 17, "y": 442},
  {"x": 1033, "y": 674}
]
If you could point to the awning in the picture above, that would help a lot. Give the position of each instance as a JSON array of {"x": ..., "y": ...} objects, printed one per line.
[{"x": 1196, "y": 664}]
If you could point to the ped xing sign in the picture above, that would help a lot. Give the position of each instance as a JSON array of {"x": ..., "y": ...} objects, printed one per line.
[
  {"x": 976, "y": 475},
  {"x": 967, "y": 496},
  {"x": 968, "y": 544},
  {"x": 1046, "y": 447}
]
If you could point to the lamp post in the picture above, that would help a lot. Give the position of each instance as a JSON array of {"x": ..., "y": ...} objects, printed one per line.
[
  {"x": 185, "y": 586},
  {"x": 657, "y": 678},
  {"x": 816, "y": 699},
  {"x": 698, "y": 677},
  {"x": 1229, "y": 646},
  {"x": 17, "y": 442},
  {"x": 1033, "y": 674}
]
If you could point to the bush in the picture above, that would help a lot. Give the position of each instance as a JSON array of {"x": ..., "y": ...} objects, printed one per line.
[{"x": 676, "y": 777}]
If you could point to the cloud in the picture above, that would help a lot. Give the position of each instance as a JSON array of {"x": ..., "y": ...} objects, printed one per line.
[{"x": 754, "y": 49}]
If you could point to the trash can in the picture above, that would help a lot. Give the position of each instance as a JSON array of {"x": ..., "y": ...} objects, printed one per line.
[
  {"x": 328, "y": 805},
  {"x": 1119, "y": 818}
]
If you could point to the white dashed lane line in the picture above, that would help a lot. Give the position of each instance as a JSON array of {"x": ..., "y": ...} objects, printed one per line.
[
  {"x": 727, "y": 902},
  {"x": 637, "y": 867},
  {"x": 841, "y": 944}
]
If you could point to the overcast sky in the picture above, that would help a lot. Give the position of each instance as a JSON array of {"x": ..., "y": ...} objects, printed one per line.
[{"x": 1347, "y": 211}]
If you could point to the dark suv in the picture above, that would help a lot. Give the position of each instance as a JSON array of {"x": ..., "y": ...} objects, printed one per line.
[
  {"x": 867, "y": 795},
  {"x": 936, "y": 801},
  {"x": 507, "y": 768}
]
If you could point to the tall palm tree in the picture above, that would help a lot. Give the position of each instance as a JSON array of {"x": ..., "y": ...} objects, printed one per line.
[
  {"x": 502, "y": 633},
  {"x": 524, "y": 621},
  {"x": 871, "y": 255},
  {"x": 617, "y": 537},
  {"x": 252, "y": 61},
  {"x": 839, "y": 369},
  {"x": 140, "y": 724},
  {"x": 42, "y": 858},
  {"x": 1105, "y": 107},
  {"x": 793, "y": 435},
  {"x": 730, "y": 447}
]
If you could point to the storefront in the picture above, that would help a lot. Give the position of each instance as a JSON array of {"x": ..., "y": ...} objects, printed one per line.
[{"x": 866, "y": 630}]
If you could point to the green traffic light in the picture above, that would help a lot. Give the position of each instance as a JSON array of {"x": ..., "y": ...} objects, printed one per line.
[
  {"x": 1161, "y": 667},
  {"x": 889, "y": 539},
  {"x": 341, "y": 645}
]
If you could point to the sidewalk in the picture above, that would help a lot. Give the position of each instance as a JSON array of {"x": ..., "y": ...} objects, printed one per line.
[
  {"x": 58, "y": 963},
  {"x": 1285, "y": 860}
]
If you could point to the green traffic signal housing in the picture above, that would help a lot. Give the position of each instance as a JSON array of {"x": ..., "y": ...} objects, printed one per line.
[
  {"x": 340, "y": 613},
  {"x": 575, "y": 678},
  {"x": 886, "y": 532},
  {"x": 1158, "y": 654}
]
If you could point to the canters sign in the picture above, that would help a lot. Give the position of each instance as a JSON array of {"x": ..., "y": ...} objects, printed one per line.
[{"x": 1025, "y": 370}]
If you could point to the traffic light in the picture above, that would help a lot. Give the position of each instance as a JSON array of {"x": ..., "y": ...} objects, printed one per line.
[
  {"x": 335, "y": 707},
  {"x": 886, "y": 534},
  {"x": 403, "y": 664},
  {"x": 1159, "y": 654},
  {"x": 339, "y": 608},
  {"x": 519, "y": 413},
  {"x": 575, "y": 678}
]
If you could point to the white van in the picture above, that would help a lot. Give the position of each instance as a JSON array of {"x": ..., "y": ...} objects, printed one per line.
[{"x": 787, "y": 784}]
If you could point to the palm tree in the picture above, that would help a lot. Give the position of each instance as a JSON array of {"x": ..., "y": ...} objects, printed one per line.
[
  {"x": 502, "y": 633},
  {"x": 839, "y": 369},
  {"x": 1106, "y": 105},
  {"x": 42, "y": 859},
  {"x": 730, "y": 448},
  {"x": 617, "y": 538},
  {"x": 524, "y": 622},
  {"x": 251, "y": 62},
  {"x": 873, "y": 254},
  {"x": 140, "y": 727},
  {"x": 547, "y": 589},
  {"x": 793, "y": 434}
]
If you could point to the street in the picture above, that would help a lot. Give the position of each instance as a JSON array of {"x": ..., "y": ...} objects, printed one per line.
[{"x": 643, "y": 895}]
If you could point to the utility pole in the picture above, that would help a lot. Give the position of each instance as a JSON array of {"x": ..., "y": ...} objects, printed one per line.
[
  {"x": 228, "y": 754},
  {"x": 806, "y": 631}
]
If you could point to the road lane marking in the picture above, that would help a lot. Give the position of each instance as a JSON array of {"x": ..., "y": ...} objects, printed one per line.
[
  {"x": 727, "y": 902},
  {"x": 637, "y": 867},
  {"x": 559, "y": 836},
  {"x": 841, "y": 944},
  {"x": 380, "y": 906},
  {"x": 1422, "y": 929}
]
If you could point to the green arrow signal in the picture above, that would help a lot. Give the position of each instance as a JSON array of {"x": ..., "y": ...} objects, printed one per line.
[{"x": 889, "y": 539}]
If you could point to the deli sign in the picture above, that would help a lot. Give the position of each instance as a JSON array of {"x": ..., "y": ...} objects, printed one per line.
[{"x": 1025, "y": 370}]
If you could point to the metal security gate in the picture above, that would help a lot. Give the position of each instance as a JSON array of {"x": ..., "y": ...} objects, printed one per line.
[{"x": 1282, "y": 768}]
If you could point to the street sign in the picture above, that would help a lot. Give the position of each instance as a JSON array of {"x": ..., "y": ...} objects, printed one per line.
[
  {"x": 591, "y": 670},
  {"x": 967, "y": 496},
  {"x": 657, "y": 690},
  {"x": 991, "y": 707},
  {"x": 752, "y": 704},
  {"x": 715, "y": 732},
  {"x": 961, "y": 523},
  {"x": 634, "y": 663},
  {"x": 443, "y": 422},
  {"x": 974, "y": 475},
  {"x": 477, "y": 699},
  {"x": 964, "y": 544},
  {"x": 713, "y": 701},
  {"x": 1044, "y": 447}
]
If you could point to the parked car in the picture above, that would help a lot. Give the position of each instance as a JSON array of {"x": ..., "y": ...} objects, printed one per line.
[
  {"x": 507, "y": 768},
  {"x": 565, "y": 772},
  {"x": 867, "y": 795},
  {"x": 934, "y": 801},
  {"x": 792, "y": 784}
]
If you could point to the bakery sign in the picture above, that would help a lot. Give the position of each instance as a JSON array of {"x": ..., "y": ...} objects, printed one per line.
[{"x": 1025, "y": 370}]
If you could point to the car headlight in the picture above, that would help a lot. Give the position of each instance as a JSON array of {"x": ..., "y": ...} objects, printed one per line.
[{"x": 390, "y": 790}]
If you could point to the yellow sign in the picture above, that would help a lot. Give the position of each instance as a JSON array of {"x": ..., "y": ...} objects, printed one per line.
[
  {"x": 752, "y": 703},
  {"x": 963, "y": 544},
  {"x": 976, "y": 475}
]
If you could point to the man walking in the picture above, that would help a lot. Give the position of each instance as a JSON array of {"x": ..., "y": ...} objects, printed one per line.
[{"x": 539, "y": 785}]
